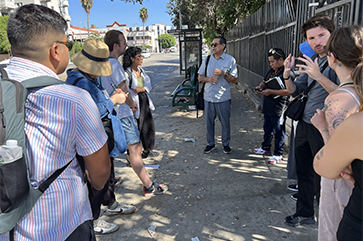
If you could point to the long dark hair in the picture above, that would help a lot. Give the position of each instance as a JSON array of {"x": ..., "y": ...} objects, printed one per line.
[
  {"x": 346, "y": 44},
  {"x": 130, "y": 52}
]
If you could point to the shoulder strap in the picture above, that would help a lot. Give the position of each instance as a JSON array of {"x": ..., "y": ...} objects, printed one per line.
[
  {"x": 314, "y": 81},
  {"x": 42, "y": 187},
  {"x": 77, "y": 80},
  {"x": 206, "y": 65},
  {"x": 130, "y": 77},
  {"x": 351, "y": 93},
  {"x": 205, "y": 72}
]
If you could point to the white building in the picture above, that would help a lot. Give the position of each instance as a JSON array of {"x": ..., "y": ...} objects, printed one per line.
[
  {"x": 152, "y": 33},
  {"x": 61, "y": 6}
]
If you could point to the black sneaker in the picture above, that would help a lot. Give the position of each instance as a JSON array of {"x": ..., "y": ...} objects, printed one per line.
[
  {"x": 293, "y": 187},
  {"x": 145, "y": 154},
  {"x": 208, "y": 149},
  {"x": 294, "y": 196},
  {"x": 227, "y": 149},
  {"x": 295, "y": 220}
]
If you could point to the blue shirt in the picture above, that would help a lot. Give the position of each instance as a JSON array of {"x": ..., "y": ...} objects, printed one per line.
[
  {"x": 105, "y": 107},
  {"x": 221, "y": 91}
]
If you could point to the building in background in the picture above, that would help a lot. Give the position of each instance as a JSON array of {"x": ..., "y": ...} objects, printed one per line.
[{"x": 61, "y": 6}]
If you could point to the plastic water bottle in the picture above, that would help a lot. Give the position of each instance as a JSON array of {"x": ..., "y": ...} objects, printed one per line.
[{"x": 10, "y": 152}]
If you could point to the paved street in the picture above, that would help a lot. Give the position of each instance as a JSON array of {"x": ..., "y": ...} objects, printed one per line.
[{"x": 211, "y": 196}]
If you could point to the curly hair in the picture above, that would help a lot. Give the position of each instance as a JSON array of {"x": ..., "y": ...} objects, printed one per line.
[{"x": 130, "y": 52}]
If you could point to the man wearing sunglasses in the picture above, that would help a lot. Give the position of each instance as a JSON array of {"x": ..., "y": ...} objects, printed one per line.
[
  {"x": 221, "y": 71},
  {"x": 274, "y": 101},
  {"x": 60, "y": 122}
]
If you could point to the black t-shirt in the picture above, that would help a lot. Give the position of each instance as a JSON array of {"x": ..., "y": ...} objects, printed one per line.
[{"x": 272, "y": 106}]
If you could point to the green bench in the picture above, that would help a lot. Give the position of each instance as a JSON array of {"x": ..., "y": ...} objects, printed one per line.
[{"x": 185, "y": 93}]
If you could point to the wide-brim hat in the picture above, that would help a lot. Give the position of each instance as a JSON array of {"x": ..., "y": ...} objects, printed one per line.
[{"x": 93, "y": 59}]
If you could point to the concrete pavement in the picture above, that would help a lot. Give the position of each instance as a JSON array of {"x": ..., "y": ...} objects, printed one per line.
[{"x": 212, "y": 196}]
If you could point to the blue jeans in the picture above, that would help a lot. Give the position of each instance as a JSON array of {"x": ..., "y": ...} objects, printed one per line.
[
  {"x": 222, "y": 110},
  {"x": 272, "y": 125}
]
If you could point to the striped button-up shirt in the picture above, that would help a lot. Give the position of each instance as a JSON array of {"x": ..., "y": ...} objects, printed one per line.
[{"x": 56, "y": 129}]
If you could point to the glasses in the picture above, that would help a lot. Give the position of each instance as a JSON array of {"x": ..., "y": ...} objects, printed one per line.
[
  {"x": 68, "y": 43},
  {"x": 273, "y": 51},
  {"x": 215, "y": 45}
]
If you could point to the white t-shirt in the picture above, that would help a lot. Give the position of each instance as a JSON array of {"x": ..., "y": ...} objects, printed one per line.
[{"x": 111, "y": 82}]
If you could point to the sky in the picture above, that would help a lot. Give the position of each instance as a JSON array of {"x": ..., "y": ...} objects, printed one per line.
[{"x": 105, "y": 12}]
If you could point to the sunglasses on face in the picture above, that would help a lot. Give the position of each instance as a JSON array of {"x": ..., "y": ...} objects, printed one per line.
[
  {"x": 68, "y": 43},
  {"x": 215, "y": 45},
  {"x": 273, "y": 51}
]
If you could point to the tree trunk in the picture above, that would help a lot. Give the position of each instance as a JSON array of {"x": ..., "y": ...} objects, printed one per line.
[
  {"x": 143, "y": 35},
  {"x": 88, "y": 23}
]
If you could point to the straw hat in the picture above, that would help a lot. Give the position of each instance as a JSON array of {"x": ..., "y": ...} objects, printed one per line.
[{"x": 93, "y": 59}]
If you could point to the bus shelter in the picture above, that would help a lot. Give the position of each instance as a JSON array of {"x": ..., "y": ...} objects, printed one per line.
[{"x": 190, "y": 48}]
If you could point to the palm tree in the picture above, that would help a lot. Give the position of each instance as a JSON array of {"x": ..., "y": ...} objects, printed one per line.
[
  {"x": 87, "y": 5},
  {"x": 143, "y": 14}
]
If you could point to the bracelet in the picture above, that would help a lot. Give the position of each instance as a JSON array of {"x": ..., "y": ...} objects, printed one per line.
[{"x": 283, "y": 78}]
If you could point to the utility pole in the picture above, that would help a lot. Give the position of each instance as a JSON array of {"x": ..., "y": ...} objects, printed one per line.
[{"x": 180, "y": 15}]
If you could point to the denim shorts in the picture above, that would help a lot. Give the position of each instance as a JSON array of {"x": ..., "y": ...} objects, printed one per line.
[{"x": 129, "y": 126}]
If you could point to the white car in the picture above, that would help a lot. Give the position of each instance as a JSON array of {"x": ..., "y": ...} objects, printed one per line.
[{"x": 145, "y": 54}]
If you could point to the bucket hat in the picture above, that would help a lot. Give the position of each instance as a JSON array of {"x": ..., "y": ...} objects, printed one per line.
[{"x": 93, "y": 59}]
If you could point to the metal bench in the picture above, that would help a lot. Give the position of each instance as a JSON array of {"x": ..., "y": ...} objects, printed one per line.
[{"x": 185, "y": 93}]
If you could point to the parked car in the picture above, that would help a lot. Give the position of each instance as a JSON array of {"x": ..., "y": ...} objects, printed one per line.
[{"x": 145, "y": 54}]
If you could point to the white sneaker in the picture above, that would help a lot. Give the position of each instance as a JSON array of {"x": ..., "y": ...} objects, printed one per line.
[
  {"x": 261, "y": 151},
  {"x": 121, "y": 209},
  {"x": 274, "y": 159},
  {"x": 103, "y": 227}
]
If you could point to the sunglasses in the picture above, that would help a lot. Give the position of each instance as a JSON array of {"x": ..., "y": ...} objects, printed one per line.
[
  {"x": 273, "y": 51},
  {"x": 68, "y": 43},
  {"x": 215, "y": 45}
]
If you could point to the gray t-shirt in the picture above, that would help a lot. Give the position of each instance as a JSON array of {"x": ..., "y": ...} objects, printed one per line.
[
  {"x": 317, "y": 94},
  {"x": 221, "y": 91}
]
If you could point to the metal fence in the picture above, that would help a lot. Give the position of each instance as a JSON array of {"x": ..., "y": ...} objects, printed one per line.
[{"x": 277, "y": 24}]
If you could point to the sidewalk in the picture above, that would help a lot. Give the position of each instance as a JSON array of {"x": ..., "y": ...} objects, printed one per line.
[{"x": 212, "y": 196}]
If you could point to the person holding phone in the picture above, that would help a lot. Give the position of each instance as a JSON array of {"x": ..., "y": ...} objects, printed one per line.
[{"x": 274, "y": 101}]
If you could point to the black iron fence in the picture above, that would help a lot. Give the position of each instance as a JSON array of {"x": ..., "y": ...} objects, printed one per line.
[{"x": 277, "y": 24}]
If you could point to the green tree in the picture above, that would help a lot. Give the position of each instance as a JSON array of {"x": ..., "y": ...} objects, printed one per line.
[
  {"x": 96, "y": 36},
  {"x": 87, "y": 5},
  {"x": 4, "y": 42},
  {"x": 143, "y": 14},
  {"x": 216, "y": 17},
  {"x": 166, "y": 40}
]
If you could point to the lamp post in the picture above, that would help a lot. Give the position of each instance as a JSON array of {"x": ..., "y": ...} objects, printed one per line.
[{"x": 79, "y": 28}]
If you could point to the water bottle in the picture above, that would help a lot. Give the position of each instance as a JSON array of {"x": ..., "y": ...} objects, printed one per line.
[{"x": 10, "y": 152}]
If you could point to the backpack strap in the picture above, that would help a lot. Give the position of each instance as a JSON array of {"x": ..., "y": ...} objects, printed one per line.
[
  {"x": 130, "y": 77},
  {"x": 205, "y": 72},
  {"x": 44, "y": 186}
]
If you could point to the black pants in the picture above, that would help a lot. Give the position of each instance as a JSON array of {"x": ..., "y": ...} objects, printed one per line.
[
  {"x": 83, "y": 232},
  {"x": 308, "y": 141},
  {"x": 106, "y": 196},
  {"x": 145, "y": 123}
]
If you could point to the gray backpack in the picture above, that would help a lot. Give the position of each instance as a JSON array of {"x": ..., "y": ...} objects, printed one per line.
[{"x": 17, "y": 197}]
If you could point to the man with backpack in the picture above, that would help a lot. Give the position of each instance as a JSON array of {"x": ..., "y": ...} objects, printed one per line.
[
  {"x": 60, "y": 122},
  {"x": 221, "y": 71}
]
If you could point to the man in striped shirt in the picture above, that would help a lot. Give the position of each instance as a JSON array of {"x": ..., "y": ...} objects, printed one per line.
[{"x": 56, "y": 130}]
